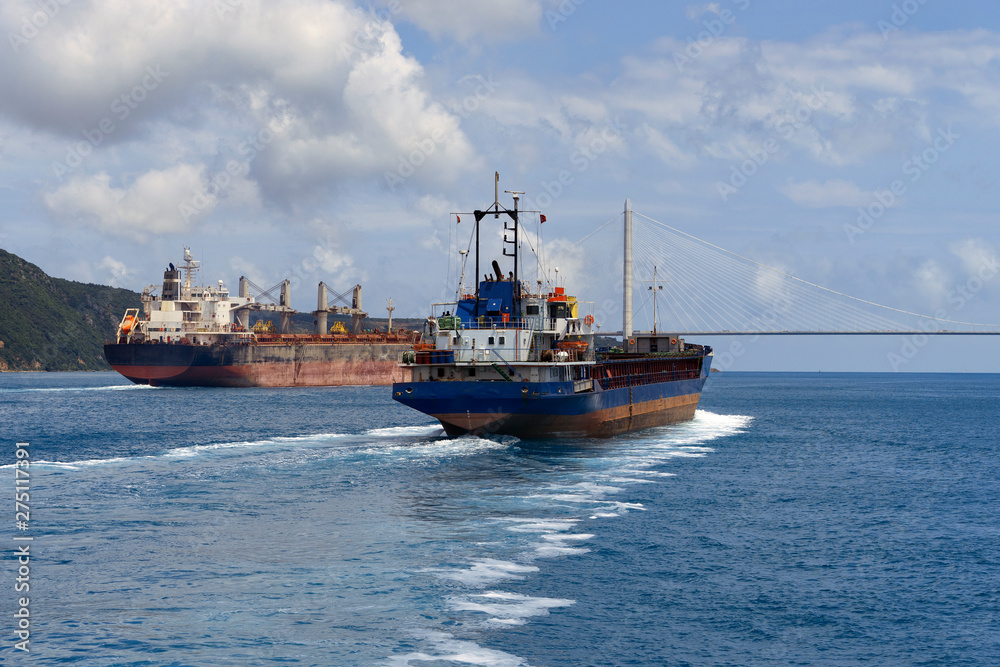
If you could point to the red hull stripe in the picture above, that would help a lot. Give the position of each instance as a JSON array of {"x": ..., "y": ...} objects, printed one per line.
[{"x": 267, "y": 374}]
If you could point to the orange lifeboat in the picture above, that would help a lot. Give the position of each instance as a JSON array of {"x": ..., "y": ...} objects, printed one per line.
[{"x": 578, "y": 346}]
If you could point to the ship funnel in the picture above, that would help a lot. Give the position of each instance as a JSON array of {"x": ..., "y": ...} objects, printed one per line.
[{"x": 171, "y": 284}]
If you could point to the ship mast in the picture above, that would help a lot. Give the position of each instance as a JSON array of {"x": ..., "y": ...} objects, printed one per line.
[
  {"x": 497, "y": 209},
  {"x": 517, "y": 197},
  {"x": 654, "y": 288},
  {"x": 190, "y": 269}
]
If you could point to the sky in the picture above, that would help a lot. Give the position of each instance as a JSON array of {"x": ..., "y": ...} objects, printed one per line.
[{"x": 852, "y": 144}]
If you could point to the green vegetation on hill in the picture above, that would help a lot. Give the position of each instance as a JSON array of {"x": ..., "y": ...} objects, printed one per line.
[{"x": 51, "y": 324}]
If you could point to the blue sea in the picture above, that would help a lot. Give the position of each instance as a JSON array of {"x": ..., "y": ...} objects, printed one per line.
[{"x": 800, "y": 519}]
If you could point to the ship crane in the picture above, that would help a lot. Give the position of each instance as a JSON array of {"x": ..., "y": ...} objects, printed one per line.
[
  {"x": 280, "y": 300},
  {"x": 327, "y": 306}
]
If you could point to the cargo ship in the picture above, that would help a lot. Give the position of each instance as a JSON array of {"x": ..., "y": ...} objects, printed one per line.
[
  {"x": 190, "y": 335},
  {"x": 510, "y": 360}
]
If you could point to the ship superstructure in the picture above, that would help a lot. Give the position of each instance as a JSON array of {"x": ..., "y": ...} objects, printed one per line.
[
  {"x": 190, "y": 334},
  {"x": 510, "y": 360},
  {"x": 185, "y": 311}
]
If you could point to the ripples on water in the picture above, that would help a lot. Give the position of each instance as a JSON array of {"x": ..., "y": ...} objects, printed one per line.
[{"x": 333, "y": 526}]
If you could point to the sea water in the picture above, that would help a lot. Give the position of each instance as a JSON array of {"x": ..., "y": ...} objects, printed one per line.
[{"x": 799, "y": 519}]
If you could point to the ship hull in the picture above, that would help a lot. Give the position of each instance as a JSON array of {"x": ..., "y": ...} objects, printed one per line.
[
  {"x": 285, "y": 365},
  {"x": 552, "y": 409}
]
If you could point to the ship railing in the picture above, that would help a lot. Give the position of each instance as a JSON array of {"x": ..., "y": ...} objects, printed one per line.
[
  {"x": 327, "y": 339},
  {"x": 561, "y": 356},
  {"x": 484, "y": 322},
  {"x": 623, "y": 381}
]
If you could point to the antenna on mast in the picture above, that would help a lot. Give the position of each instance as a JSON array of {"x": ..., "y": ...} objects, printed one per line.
[
  {"x": 654, "y": 288},
  {"x": 497, "y": 210},
  {"x": 461, "y": 281}
]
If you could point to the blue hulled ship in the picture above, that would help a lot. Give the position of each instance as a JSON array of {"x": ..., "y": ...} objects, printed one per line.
[{"x": 509, "y": 360}]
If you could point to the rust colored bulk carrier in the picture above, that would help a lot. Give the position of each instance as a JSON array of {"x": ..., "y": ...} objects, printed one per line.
[{"x": 199, "y": 336}]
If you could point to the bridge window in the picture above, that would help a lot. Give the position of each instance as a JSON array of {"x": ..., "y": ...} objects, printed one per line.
[
  {"x": 491, "y": 341},
  {"x": 503, "y": 340}
]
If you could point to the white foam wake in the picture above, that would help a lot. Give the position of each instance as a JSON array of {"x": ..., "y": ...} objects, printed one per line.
[
  {"x": 587, "y": 494},
  {"x": 448, "y": 649},
  {"x": 193, "y": 450},
  {"x": 276, "y": 442},
  {"x": 705, "y": 427},
  {"x": 423, "y": 441},
  {"x": 114, "y": 387},
  {"x": 424, "y": 430},
  {"x": 486, "y": 570},
  {"x": 507, "y": 608}
]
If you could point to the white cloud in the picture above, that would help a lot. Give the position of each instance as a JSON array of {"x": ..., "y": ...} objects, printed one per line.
[
  {"x": 696, "y": 11},
  {"x": 932, "y": 283},
  {"x": 435, "y": 208},
  {"x": 336, "y": 262},
  {"x": 665, "y": 149},
  {"x": 976, "y": 255},
  {"x": 244, "y": 267},
  {"x": 463, "y": 21},
  {"x": 149, "y": 205},
  {"x": 538, "y": 106},
  {"x": 814, "y": 194},
  {"x": 329, "y": 80},
  {"x": 118, "y": 271},
  {"x": 838, "y": 99}
]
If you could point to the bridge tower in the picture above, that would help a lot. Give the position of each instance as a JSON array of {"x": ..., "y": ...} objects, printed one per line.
[{"x": 627, "y": 291}]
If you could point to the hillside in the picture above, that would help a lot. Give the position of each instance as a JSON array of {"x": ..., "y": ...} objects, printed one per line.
[{"x": 51, "y": 324}]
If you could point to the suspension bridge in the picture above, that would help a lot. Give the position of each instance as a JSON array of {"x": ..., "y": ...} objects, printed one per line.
[{"x": 700, "y": 289}]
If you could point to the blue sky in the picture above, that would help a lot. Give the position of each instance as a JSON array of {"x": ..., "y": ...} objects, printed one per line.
[{"x": 329, "y": 140}]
